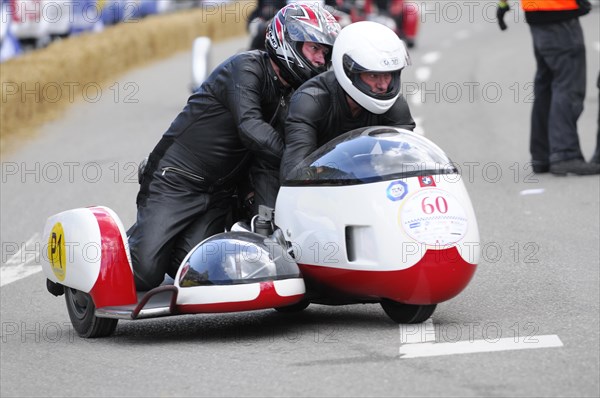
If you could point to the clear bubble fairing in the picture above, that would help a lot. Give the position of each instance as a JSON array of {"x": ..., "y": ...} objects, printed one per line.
[
  {"x": 369, "y": 155},
  {"x": 235, "y": 258}
]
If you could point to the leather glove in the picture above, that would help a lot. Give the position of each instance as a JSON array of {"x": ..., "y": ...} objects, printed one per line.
[{"x": 502, "y": 9}]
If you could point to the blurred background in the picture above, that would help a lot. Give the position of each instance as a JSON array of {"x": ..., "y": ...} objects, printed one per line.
[{"x": 32, "y": 24}]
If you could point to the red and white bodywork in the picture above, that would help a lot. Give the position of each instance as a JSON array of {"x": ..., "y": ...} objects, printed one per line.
[
  {"x": 237, "y": 271},
  {"x": 87, "y": 252},
  {"x": 369, "y": 224},
  {"x": 377, "y": 215}
]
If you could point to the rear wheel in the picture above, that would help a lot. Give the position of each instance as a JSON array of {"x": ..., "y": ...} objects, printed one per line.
[
  {"x": 298, "y": 307},
  {"x": 81, "y": 310},
  {"x": 407, "y": 313}
]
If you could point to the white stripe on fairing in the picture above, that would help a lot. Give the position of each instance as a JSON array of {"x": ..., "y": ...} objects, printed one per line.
[
  {"x": 15, "y": 268},
  {"x": 289, "y": 287},
  {"x": 428, "y": 349},
  {"x": 231, "y": 293},
  {"x": 218, "y": 294}
]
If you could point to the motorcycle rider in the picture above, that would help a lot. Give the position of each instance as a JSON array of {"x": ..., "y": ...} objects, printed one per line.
[
  {"x": 363, "y": 89},
  {"x": 231, "y": 122},
  {"x": 259, "y": 19}
]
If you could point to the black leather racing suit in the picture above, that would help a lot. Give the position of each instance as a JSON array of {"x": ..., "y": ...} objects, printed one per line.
[
  {"x": 320, "y": 112},
  {"x": 232, "y": 121}
]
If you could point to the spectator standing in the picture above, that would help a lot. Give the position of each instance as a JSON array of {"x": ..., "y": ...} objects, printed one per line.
[{"x": 559, "y": 85}]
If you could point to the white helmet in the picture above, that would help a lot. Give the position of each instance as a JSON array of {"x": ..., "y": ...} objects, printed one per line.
[{"x": 369, "y": 47}]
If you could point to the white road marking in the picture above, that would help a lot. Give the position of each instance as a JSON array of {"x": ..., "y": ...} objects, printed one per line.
[
  {"x": 20, "y": 265},
  {"x": 415, "y": 98},
  {"x": 428, "y": 349},
  {"x": 431, "y": 57},
  {"x": 419, "y": 128},
  {"x": 462, "y": 34},
  {"x": 536, "y": 191},
  {"x": 423, "y": 73},
  {"x": 446, "y": 43}
]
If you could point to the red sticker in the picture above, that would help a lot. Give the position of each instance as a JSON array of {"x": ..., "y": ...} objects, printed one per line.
[{"x": 426, "y": 181}]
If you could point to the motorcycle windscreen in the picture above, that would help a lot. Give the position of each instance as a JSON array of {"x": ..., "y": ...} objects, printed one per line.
[
  {"x": 231, "y": 258},
  {"x": 369, "y": 155}
]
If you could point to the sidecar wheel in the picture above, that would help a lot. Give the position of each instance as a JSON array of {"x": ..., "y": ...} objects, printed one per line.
[
  {"x": 407, "y": 313},
  {"x": 298, "y": 307},
  {"x": 81, "y": 310}
]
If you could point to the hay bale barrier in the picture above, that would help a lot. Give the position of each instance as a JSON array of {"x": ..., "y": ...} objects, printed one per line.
[{"x": 38, "y": 86}]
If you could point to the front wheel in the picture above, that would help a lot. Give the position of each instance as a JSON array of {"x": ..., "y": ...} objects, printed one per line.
[
  {"x": 81, "y": 310},
  {"x": 407, "y": 313},
  {"x": 298, "y": 307}
]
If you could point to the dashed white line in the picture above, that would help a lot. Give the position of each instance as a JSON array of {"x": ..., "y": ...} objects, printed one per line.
[
  {"x": 418, "y": 350},
  {"x": 415, "y": 99},
  {"x": 431, "y": 57},
  {"x": 462, "y": 34},
  {"x": 19, "y": 265},
  {"x": 536, "y": 191},
  {"x": 418, "y": 341},
  {"x": 423, "y": 73}
]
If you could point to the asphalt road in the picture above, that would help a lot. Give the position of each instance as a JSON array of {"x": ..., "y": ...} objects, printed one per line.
[{"x": 470, "y": 89}]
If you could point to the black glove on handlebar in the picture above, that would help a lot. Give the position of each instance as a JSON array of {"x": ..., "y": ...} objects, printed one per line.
[{"x": 502, "y": 9}]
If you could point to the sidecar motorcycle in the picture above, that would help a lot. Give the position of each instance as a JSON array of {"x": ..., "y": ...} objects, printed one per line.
[{"x": 377, "y": 215}]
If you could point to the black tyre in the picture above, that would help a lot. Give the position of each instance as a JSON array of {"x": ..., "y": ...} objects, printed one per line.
[
  {"x": 407, "y": 313},
  {"x": 298, "y": 307},
  {"x": 82, "y": 313}
]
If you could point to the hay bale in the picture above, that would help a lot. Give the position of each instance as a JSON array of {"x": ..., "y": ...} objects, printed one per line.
[{"x": 37, "y": 87}]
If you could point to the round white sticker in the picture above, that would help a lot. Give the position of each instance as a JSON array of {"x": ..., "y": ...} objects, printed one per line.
[{"x": 434, "y": 217}]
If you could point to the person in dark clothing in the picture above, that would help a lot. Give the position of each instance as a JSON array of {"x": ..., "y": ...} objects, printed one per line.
[
  {"x": 266, "y": 9},
  {"x": 559, "y": 85},
  {"x": 363, "y": 89},
  {"x": 258, "y": 21},
  {"x": 230, "y": 125},
  {"x": 596, "y": 156}
]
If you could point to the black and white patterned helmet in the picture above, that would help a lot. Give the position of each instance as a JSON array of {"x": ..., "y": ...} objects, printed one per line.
[{"x": 289, "y": 29}]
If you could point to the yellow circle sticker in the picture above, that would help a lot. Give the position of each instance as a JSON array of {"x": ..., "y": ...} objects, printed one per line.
[{"x": 57, "y": 252}]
